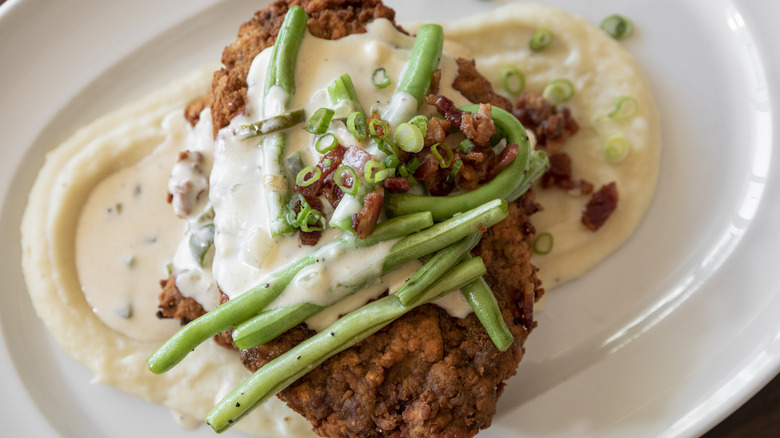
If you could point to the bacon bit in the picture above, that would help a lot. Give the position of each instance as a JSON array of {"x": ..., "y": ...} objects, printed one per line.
[
  {"x": 479, "y": 127},
  {"x": 475, "y": 156},
  {"x": 436, "y": 132},
  {"x": 435, "y": 81},
  {"x": 475, "y": 87},
  {"x": 365, "y": 220},
  {"x": 504, "y": 159},
  {"x": 600, "y": 206},
  {"x": 315, "y": 189},
  {"x": 356, "y": 158},
  {"x": 552, "y": 125},
  {"x": 428, "y": 174},
  {"x": 559, "y": 175},
  {"x": 332, "y": 192},
  {"x": 396, "y": 184},
  {"x": 446, "y": 108}
]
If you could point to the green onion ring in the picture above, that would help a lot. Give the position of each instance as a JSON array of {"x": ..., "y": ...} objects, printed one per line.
[
  {"x": 543, "y": 243},
  {"x": 372, "y": 128},
  {"x": 338, "y": 178},
  {"x": 380, "y": 79},
  {"x": 541, "y": 39},
  {"x": 320, "y": 121},
  {"x": 443, "y": 162},
  {"x": 466, "y": 146},
  {"x": 301, "y": 179},
  {"x": 618, "y": 26},
  {"x": 408, "y": 137},
  {"x": 625, "y": 108},
  {"x": 326, "y": 143},
  {"x": 384, "y": 174},
  {"x": 512, "y": 80},
  {"x": 421, "y": 122},
  {"x": 356, "y": 124},
  {"x": 616, "y": 148},
  {"x": 371, "y": 168},
  {"x": 559, "y": 91}
]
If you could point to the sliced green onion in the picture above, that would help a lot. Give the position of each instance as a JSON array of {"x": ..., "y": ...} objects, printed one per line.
[
  {"x": 408, "y": 137},
  {"x": 327, "y": 162},
  {"x": 356, "y": 124},
  {"x": 558, "y": 91},
  {"x": 386, "y": 146},
  {"x": 320, "y": 121},
  {"x": 392, "y": 161},
  {"x": 303, "y": 179},
  {"x": 616, "y": 148},
  {"x": 402, "y": 170},
  {"x": 543, "y": 243},
  {"x": 380, "y": 79},
  {"x": 618, "y": 26},
  {"x": 421, "y": 122},
  {"x": 625, "y": 108},
  {"x": 466, "y": 146},
  {"x": 294, "y": 162},
  {"x": 512, "y": 80},
  {"x": 384, "y": 174},
  {"x": 454, "y": 173},
  {"x": 273, "y": 124},
  {"x": 412, "y": 165},
  {"x": 340, "y": 181},
  {"x": 306, "y": 217},
  {"x": 372, "y": 128},
  {"x": 370, "y": 170},
  {"x": 436, "y": 151},
  {"x": 541, "y": 39},
  {"x": 326, "y": 143}
]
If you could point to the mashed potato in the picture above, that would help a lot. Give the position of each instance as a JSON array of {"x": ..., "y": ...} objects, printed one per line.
[{"x": 152, "y": 130}]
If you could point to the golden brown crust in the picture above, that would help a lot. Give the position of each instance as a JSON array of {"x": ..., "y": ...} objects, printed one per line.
[{"x": 329, "y": 19}]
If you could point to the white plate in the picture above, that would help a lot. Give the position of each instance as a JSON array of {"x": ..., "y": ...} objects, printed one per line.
[{"x": 665, "y": 338}]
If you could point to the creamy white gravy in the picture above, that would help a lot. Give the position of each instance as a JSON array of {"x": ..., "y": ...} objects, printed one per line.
[
  {"x": 245, "y": 251},
  {"x": 125, "y": 238}
]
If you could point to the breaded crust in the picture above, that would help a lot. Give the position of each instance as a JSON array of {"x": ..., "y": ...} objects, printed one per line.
[{"x": 329, "y": 19}]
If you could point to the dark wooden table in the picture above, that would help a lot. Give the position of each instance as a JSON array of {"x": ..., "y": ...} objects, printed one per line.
[{"x": 758, "y": 418}]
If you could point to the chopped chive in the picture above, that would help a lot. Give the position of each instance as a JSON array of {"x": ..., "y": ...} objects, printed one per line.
[
  {"x": 272, "y": 124},
  {"x": 380, "y": 79},
  {"x": 543, "y": 243},
  {"x": 558, "y": 91},
  {"x": 384, "y": 174},
  {"x": 421, "y": 122},
  {"x": 356, "y": 124},
  {"x": 320, "y": 121},
  {"x": 618, "y": 26},
  {"x": 326, "y": 143},
  {"x": 512, "y": 80},
  {"x": 342, "y": 182},
  {"x": 541, "y": 39},
  {"x": 303, "y": 179},
  {"x": 392, "y": 161},
  {"x": 413, "y": 164}
]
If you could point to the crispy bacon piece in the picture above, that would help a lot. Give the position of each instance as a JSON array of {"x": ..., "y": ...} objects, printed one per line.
[
  {"x": 552, "y": 125},
  {"x": 479, "y": 127},
  {"x": 436, "y": 132},
  {"x": 559, "y": 175},
  {"x": 365, "y": 220},
  {"x": 446, "y": 108},
  {"x": 314, "y": 189},
  {"x": 396, "y": 184},
  {"x": 356, "y": 158},
  {"x": 503, "y": 160},
  {"x": 600, "y": 206}
]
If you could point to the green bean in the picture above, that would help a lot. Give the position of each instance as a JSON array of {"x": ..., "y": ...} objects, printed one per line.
[
  {"x": 411, "y": 247},
  {"x": 272, "y": 323},
  {"x": 344, "y": 333},
  {"x": 273, "y": 124},
  {"x": 281, "y": 74},
  {"x": 505, "y": 186},
  {"x": 483, "y": 302},
  {"x": 343, "y": 95},
  {"x": 423, "y": 60},
  {"x": 256, "y": 299},
  {"x": 434, "y": 269}
]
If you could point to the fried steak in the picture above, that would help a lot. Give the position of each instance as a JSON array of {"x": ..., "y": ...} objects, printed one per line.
[{"x": 427, "y": 374}]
